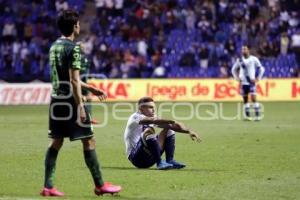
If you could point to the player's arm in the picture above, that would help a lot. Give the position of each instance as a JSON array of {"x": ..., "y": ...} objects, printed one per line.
[
  {"x": 261, "y": 69},
  {"x": 234, "y": 70},
  {"x": 74, "y": 73},
  {"x": 75, "y": 82},
  {"x": 95, "y": 91},
  {"x": 181, "y": 128},
  {"x": 170, "y": 124},
  {"x": 156, "y": 121}
]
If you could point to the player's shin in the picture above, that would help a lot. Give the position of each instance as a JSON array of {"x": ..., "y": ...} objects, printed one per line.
[
  {"x": 50, "y": 163},
  {"x": 92, "y": 163},
  {"x": 170, "y": 145},
  {"x": 247, "y": 110},
  {"x": 257, "y": 109},
  {"x": 154, "y": 148}
]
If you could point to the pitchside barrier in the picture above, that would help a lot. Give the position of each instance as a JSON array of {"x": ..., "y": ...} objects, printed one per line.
[{"x": 180, "y": 90}]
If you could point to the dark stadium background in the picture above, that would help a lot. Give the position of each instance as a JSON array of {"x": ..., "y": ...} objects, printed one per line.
[{"x": 153, "y": 39}]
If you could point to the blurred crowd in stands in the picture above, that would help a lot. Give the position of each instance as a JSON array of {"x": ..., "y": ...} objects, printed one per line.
[{"x": 153, "y": 38}]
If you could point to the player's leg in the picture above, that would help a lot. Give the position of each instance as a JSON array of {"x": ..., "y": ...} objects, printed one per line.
[
  {"x": 150, "y": 140},
  {"x": 246, "y": 107},
  {"x": 155, "y": 145},
  {"x": 58, "y": 129},
  {"x": 245, "y": 94},
  {"x": 167, "y": 142},
  {"x": 256, "y": 107},
  {"x": 50, "y": 163},
  {"x": 162, "y": 138},
  {"x": 91, "y": 160}
]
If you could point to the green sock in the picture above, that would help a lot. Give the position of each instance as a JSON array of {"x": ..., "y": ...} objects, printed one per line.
[
  {"x": 91, "y": 161},
  {"x": 50, "y": 162}
]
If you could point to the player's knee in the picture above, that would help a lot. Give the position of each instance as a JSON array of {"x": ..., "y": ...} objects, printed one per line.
[
  {"x": 149, "y": 132},
  {"x": 57, "y": 143},
  {"x": 89, "y": 144},
  {"x": 151, "y": 136},
  {"x": 170, "y": 133}
]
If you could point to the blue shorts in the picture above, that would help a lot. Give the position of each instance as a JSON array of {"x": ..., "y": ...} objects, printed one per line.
[
  {"x": 141, "y": 156},
  {"x": 248, "y": 89}
]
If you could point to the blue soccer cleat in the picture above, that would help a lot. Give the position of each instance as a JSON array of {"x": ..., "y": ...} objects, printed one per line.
[
  {"x": 164, "y": 165},
  {"x": 176, "y": 165}
]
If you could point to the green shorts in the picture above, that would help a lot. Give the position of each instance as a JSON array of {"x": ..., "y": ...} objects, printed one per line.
[{"x": 63, "y": 120}]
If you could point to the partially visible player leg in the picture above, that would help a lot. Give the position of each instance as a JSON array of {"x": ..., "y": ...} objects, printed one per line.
[
  {"x": 155, "y": 147},
  {"x": 245, "y": 92},
  {"x": 50, "y": 163},
  {"x": 169, "y": 147},
  {"x": 254, "y": 101},
  {"x": 256, "y": 107},
  {"x": 246, "y": 107},
  {"x": 91, "y": 160},
  {"x": 90, "y": 157}
]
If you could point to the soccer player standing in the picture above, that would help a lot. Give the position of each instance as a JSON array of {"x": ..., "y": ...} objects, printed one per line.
[
  {"x": 244, "y": 70},
  {"x": 68, "y": 116}
]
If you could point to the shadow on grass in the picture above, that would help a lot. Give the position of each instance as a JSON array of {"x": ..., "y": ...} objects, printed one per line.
[
  {"x": 121, "y": 197},
  {"x": 153, "y": 168}
]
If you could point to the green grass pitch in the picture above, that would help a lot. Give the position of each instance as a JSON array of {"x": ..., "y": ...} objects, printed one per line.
[{"x": 237, "y": 160}]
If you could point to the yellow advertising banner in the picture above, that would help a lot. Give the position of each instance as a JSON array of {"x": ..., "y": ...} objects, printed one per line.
[{"x": 195, "y": 89}]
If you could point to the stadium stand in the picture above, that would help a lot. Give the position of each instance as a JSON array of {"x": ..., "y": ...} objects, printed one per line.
[{"x": 153, "y": 38}]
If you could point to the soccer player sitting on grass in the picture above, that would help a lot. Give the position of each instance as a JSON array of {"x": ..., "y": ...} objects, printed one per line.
[{"x": 144, "y": 148}]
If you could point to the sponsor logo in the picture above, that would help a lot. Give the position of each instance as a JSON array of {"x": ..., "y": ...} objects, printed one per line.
[{"x": 295, "y": 89}]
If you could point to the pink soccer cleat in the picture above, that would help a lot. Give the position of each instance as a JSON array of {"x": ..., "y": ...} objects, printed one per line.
[
  {"x": 51, "y": 192},
  {"x": 107, "y": 188}
]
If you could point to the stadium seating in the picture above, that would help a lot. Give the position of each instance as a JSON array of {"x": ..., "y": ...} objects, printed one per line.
[{"x": 25, "y": 50}]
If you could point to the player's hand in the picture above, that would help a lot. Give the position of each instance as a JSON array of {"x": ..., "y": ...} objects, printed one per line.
[
  {"x": 82, "y": 113},
  {"x": 99, "y": 93},
  {"x": 194, "y": 136}
]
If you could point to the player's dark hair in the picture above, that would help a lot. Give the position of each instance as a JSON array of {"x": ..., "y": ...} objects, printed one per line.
[
  {"x": 246, "y": 45},
  {"x": 66, "y": 21},
  {"x": 145, "y": 100}
]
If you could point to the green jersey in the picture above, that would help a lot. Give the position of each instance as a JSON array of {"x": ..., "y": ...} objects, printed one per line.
[
  {"x": 84, "y": 72},
  {"x": 64, "y": 55}
]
